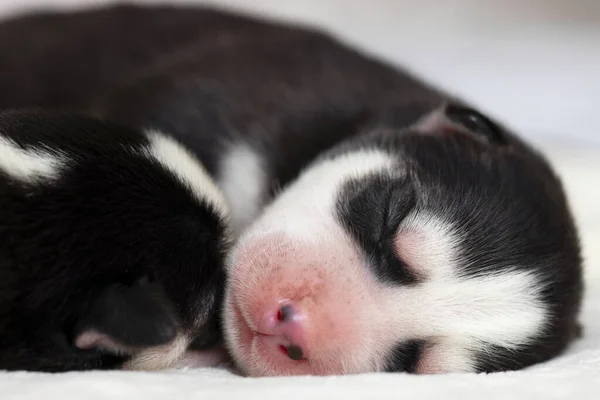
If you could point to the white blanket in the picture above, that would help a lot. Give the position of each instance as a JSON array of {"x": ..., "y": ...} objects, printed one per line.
[{"x": 542, "y": 76}]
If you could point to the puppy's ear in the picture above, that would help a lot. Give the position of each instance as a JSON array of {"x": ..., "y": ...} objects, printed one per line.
[
  {"x": 454, "y": 119},
  {"x": 125, "y": 318}
]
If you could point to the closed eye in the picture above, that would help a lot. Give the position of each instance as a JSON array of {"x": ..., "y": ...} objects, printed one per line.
[
  {"x": 396, "y": 269},
  {"x": 400, "y": 204},
  {"x": 371, "y": 210}
]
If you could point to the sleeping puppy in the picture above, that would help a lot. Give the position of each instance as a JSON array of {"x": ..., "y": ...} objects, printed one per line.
[
  {"x": 445, "y": 246},
  {"x": 151, "y": 292},
  {"x": 384, "y": 225},
  {"x": 112, "y": 247}
]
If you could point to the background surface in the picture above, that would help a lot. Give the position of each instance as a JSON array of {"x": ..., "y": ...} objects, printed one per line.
[{"x": 533, "y": 64}]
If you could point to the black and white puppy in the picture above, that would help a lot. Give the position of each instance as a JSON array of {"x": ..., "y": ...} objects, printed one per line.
[
  {"x": 112, "y": 247},
  {"x": 446, "y": 246},
  {"x": 385, "y": 226}
]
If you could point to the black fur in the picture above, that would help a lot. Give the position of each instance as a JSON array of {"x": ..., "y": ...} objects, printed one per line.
[
  {"x": 372, "y": 209},
  {"x": 73, "y": 251},
  {"x": 210, "y": 78},
  {"x": 405, "y": 357},
  {"x": 138, "y": 315},
  {"x": 505, "y": 201}
]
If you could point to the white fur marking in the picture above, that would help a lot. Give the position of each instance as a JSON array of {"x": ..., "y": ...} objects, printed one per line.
[
  {"x": 502, "y": 309},
  {"x": 204, "y": 358},
  {"x": 445, "y": 356},
  {"x": 159, "y": 357},
  {"x": 30, "y": 165},
  {"x": 244, "y": 182},
  {"x": 309, "y": 204},
  {"x": 177, "y": 159}
]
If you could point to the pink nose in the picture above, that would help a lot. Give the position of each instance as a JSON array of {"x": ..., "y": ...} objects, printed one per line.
[{"x": 282, "y": 329}]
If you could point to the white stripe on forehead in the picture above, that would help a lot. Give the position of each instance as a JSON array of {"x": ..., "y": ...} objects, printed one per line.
[
  {"x": 307, "y": 206},
  {"x": 503, "y": 309},
  {"x": 30, "y": 165},
  {"x": 187, "y": 168}
]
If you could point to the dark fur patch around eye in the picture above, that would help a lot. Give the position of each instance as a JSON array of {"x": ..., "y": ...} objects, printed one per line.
[
  {"x": 405, "y": 356},
  {"x": 371, "y": 209}
]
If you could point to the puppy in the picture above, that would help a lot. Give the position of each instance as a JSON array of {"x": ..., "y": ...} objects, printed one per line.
[
  {"x": 385, "y": 225},
  {"x": 112, "y": 248},
  {"x": 445, "y": 246}
]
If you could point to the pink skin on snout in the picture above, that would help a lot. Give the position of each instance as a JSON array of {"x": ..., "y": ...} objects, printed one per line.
[{"x": 299, "y": 308}]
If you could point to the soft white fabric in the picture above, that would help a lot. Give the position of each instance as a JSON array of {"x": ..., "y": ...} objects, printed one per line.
[{"x": 533, "y": 65}]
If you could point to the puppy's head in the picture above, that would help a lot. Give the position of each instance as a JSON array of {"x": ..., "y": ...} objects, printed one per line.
[
  {"x": 112, "y": 237},
  {"x": 444, "y": 247}
]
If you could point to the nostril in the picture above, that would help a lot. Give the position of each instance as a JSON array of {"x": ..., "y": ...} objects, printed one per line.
[
  {"x": 292, "y": 351},
  {"x": 295, "y": 353}
]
